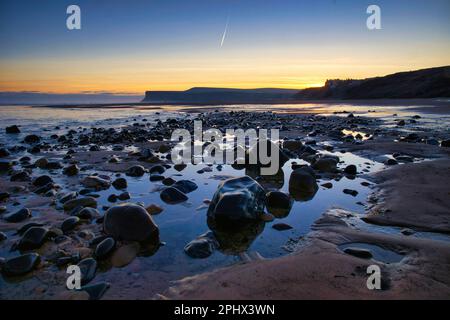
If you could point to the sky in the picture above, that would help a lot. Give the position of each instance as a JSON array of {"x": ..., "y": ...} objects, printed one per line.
[{"x": 129, "y": 47}]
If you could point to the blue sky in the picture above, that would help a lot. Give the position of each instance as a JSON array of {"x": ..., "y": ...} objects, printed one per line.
[{"x": 136, "y": 44}]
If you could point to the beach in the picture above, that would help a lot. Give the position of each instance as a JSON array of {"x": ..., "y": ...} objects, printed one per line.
[{"x": 378, "y": 173}]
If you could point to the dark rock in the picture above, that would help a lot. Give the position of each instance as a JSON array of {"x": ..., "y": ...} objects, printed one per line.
[
  {"x": 67, "y": 197},
  {"x": 88, "y": 268},
  {"x": 105, "y": 248},
  {"x": 173, "y": 195},
  {"x": 130, "y": 222},
  {"x": 12, "y": 129},
  {"x": 27, "y": 226},
  {"x": 112, "y": 198},
  {"x": 71, "y": 170},
  {"x": 325, "y": 164},
  {"x": 238, "y": 199},
  {"x": 180, "y": 167},
  {"x": 42, "y": 181},
  {"x": 351, "y": 169},
  {"x": 32, "y": 138},
  {"x": 168, "y": 181},
  {"x": 279, "y": 204},
  {"x": 3, "y": 236},
  {"x": 445, "y": 144},
  {"x": 327, "y": 185},
  {"x": 156, "y": 177},
  {"x": 96, "y": 183},
  {"x": 80, "y": 202},
  {"x": 358, "y": 252},
  {"x": 69, "y": 224},
  {"x": 96, "y": 291},
  {"x": 21, "y": 265},
  {"x": 157, "y": 169},
  {"x": 21, "y": 176},
  {"x": 302, "y": 184},
  {"x": 281, "y": 226},
  {"x": 201, "y": 247},
  {"x": 18, "y": 216},
  {"x": 390, "y": 162},
  {"x": 33, "y": 238},
  {"x": 353, "y": 193},
  {"x": 185, "y": 186},
  {"x": 136, "y": 171},
  {"x": 124, "y": 196},
  {"x": 88, "y": 213},
  {"x": 120, "y": 183}
]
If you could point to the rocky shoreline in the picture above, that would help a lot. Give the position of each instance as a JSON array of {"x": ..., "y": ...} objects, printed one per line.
[{"x": 51, "y": 215}]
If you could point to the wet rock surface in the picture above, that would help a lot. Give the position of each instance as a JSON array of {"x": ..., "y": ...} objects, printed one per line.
[{"x": 130, "y": 222}]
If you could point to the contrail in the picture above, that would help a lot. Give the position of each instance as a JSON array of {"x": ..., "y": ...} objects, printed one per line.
[{"x": 225, "y": 32}]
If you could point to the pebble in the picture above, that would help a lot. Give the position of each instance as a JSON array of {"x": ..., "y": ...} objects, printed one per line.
[
  {"x": 358, "y": 252},
  {"x": 281, "y": 226},
  {"x": 18, "y": 216},
  {"x": 69, "y": 224},
  {"x": 33, "y": 238},
  {"x": 104, "y": 248},
  {"x": 88, "y": 268},
  {"x": 21, "y": 265},
  {"x": 173, "y": 195}
]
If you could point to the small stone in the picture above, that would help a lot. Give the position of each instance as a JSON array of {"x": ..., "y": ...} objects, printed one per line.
[
  {"x": 407, "y": 232},
  {"x": 12, "y": 129},
  {"x": 185, "y": 186},
  {"x": 351, "y": 169},
  {"x": 21, "y": 265},
  {"x": 358, "y": 252},
  {"x": 390, "y": 162},
  {"x": 136, "y": 171},
  {"x": 18, "y": 216},
  {"x": 88, "y": 213},
  {"x": 96, "y": 291},
  {"x": 353, "y": 193},
  {"x": 154, "y": 209},
  {"x": 120, "y": 183},
  {"x": 158, "y": 169},
  {"x": 69, "y": 224},
  {"x": 202, "y": 247},
  {"x": 124, "y": 196},
  {"x": 71, "y": 170},
  {"x": 80, "y": 202},
  {"x": 172, "y": 195},
  {"x": 168, "y": 181},
  {"x": 42, "y": 181},
  {"x": 105, "y": 248},
  {"x": 3, "y": 236},
  {"x": 281, "y": 226},
  {"x": 327, "y": 185},
  {"x": 88, "y": 268},
  {"x": 96, "y": 183},
  {"x": 33, "y": 238}
]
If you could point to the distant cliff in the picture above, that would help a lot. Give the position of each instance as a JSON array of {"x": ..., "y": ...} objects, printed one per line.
[
  {"x": 220, "y": 96},
  {"x": 425, "y": 83}
]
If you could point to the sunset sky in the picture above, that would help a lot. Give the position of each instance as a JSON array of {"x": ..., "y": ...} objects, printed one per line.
[{"x": 136, "y": 45}]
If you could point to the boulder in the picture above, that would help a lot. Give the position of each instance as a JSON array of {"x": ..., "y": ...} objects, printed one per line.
[
  {"x": 302, "y": 184},
  {"x": 238, "y": 199},
  {"x": 130, "y": 222}
]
